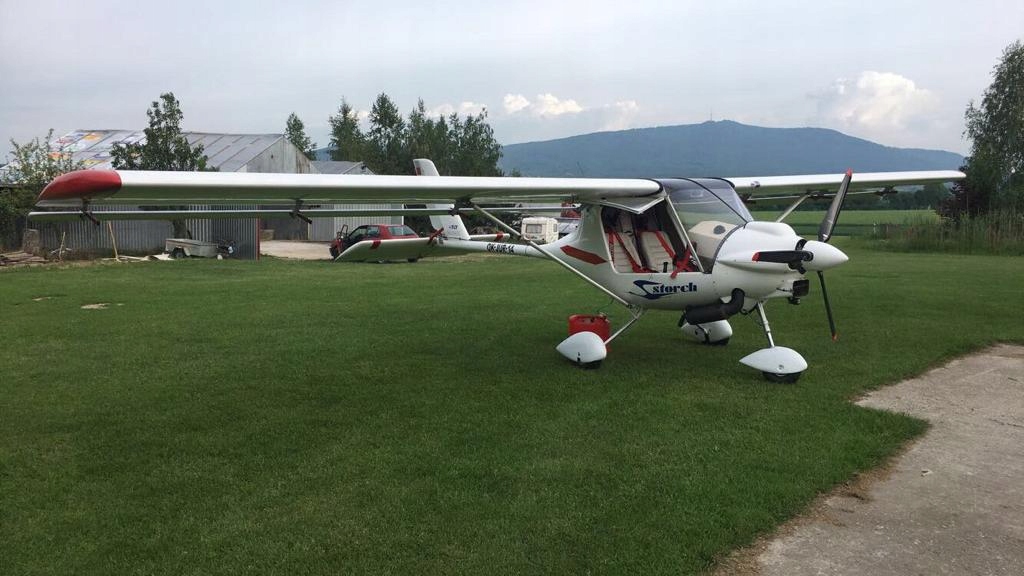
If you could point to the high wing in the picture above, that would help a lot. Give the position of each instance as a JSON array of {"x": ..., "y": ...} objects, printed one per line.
[
  {"x": 205, "y": 191},
  {"x": 104, "y": 187},
  {"x": 762, "y": 187}
]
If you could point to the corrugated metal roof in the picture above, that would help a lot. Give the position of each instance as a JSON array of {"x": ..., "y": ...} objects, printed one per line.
[
  {"x": 226, "y": 152},
  {"x": 340, "y": 167}
]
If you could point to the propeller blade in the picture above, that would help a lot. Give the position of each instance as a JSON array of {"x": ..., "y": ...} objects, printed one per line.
[
  {"x": 828, "y": 307},
  {"x": 828, "y": 223}
]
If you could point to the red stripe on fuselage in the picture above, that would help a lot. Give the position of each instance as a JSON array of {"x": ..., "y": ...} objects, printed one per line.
[
  {"x": 81, "y": 184},
  {"x": 588, "y": 257}
]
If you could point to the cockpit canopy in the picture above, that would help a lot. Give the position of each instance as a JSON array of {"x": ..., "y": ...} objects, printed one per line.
[{"x": 709, "y": 208}]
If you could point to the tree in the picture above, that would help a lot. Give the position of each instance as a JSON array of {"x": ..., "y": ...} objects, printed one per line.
[
  {"x": 295, "y": 131},
  {"x": 427, "y": 138},
  {"x": 995, "y": 167},
  {"x": 931, "y": 196},
  {"x": 387, "y": 152},
  {"x": 476, "y": 151},
  {"x": 347, "y": 140},
  {"x": 35, "y": 164},
  {"x": 458, "y": 146},
  {"x": 164, "y": 148}
]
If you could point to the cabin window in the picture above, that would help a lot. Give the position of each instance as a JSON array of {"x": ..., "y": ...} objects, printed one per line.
[
  {"x": 710, "y": 210},
  {"x": 645, "y": 243}
]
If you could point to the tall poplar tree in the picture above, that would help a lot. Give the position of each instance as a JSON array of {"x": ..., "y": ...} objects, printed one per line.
[
  {"x": 995, "y": 167},
  {"x": 165, "y": 148},
  {"x": 295, "y": 132},
  {"x": 387, "y": 151},
  {"x": 347, "y": 140}
]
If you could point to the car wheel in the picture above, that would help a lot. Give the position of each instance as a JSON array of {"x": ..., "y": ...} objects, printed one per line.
[
  {"x": 413, "y": 260},
  {"x": 178, "y": 253}
]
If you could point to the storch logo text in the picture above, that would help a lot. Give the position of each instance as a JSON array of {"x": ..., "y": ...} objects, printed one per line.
[{"x": 654, "y": 290}]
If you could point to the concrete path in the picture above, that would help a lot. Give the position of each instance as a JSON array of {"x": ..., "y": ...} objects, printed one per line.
[
  {"x": 296, "y": 249},
  {"x": 952, "y": 504}
]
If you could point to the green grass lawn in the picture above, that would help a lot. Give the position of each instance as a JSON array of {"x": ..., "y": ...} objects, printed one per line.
[{"x": 307, "y": 417}]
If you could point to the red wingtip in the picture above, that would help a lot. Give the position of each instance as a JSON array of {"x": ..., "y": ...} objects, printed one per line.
[
  {"x": 81, "y": 184},
  {"x": 849, "y": 171}
]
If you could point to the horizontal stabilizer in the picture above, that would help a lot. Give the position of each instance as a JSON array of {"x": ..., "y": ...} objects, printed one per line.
[{"x": 401, "y": 249}]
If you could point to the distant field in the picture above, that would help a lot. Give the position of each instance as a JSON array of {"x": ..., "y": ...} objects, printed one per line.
[
  {"x": 851, "y": 222},
  {"x": 314, "y": 418},
  {"x": 852, "y": 217}
]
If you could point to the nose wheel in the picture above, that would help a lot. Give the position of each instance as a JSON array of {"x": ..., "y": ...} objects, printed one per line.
[
  {"x": 776, "y": 363},
  {"x": 781, "y": 378}
]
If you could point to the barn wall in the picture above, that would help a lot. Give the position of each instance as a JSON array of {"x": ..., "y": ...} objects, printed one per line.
[
  {"x": 282, "y": 157},
  {"x": 83, "y": 237}
]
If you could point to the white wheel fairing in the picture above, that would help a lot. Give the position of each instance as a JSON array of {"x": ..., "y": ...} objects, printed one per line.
[
  {"x": 583, "y": 348},
  {"x": 776, "y": 360},
  {"x": 709, "y": 332}
]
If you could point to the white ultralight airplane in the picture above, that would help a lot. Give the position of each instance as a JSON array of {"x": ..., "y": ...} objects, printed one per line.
[{"x": 683, "y": 244}]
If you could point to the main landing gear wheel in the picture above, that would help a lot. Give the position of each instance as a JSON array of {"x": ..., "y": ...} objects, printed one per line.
[
  {"x": 334, "y": 252},
  {"x": 782, "y": 378}
]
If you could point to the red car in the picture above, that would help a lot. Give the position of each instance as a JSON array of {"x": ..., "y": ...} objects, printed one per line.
[{"x": 369, "y": 232}]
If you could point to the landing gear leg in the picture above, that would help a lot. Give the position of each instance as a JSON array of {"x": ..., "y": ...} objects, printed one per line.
[
  {"x": 764, "y": 324},
  {"x": 776, "y": 363},
  {"x": 636, "y": 313}
]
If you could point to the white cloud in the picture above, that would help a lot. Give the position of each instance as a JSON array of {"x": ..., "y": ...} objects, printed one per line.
[
  {"x": 550, "y": 105},
  {"x": 514, "y": 103},
  {"x": 530, "y": 122},
  {"x": 620, "y": 115},
  {"x": 875, "y": 102},
  {"x": 546, "y": 105},
  {"x": 465, "y": 108}
]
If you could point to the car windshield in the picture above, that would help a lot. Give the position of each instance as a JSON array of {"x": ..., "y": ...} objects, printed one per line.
[{"x": 400, "y": 231}]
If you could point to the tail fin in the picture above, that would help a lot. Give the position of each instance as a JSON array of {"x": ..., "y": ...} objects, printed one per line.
[{"x": 451, "y": 226}]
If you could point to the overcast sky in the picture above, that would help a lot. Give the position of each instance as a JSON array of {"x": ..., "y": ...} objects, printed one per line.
[{"x": 898, "y": 73}]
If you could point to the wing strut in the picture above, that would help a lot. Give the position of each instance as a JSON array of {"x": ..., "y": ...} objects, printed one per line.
[
  {"x": 297, "y": 212},
  {"x": 87, "y": 214},
  {"x": 634, "y": 311},
  {"x": 549, "y": 255}
]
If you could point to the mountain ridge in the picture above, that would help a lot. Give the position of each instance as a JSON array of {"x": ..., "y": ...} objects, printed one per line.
[{"x": 715, "y": 148}]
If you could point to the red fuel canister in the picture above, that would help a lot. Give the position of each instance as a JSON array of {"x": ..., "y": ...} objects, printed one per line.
[{"x": 587, "y": 323}]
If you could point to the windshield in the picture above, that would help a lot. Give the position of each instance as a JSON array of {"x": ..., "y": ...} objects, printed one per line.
[
  {"x": 709, "y": 209},
  {"x": 401, "y": 231}
]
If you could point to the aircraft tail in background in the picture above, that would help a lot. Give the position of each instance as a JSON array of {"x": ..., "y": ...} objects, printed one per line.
[{"x": 451, "y": 226}]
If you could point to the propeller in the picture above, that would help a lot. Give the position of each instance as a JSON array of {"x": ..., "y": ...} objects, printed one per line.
[{"x": 825, "y": 229}]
